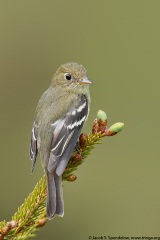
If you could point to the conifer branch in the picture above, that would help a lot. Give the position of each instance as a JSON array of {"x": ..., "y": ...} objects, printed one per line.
[{"x": 31, "y": 215}]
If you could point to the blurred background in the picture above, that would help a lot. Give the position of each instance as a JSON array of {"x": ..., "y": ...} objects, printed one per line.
[{"x": 117, "y": 192}]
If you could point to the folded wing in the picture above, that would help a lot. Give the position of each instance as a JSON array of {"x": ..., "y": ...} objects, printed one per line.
[{"x": 65, "y": 136}]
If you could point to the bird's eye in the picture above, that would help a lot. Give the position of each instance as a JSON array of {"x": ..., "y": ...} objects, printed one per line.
[{"x": 68, "y": 76}]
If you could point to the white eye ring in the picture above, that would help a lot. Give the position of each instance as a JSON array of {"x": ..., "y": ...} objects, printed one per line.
[{"x": 68, "y": 76}]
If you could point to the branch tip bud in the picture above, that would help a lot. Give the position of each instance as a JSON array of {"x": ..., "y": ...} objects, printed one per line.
[
  {"x": 41, "y": 222},
  {"x": 102, "y": 115},
  {"x": 1, "y": 236},
  {"x": 117, "y": 127},
  {"x": 114, "y": 129},
  {"x": 71, "y": 178}
]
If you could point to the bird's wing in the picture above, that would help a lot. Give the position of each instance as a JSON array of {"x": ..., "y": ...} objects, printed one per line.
[
  {"x": 65, "y": 136},
  {"x": 33, "y": 145}
]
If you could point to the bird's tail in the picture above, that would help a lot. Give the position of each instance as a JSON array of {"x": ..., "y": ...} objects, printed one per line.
[{"x": 55, "y": 203}]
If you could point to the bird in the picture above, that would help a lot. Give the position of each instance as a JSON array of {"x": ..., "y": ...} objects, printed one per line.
[{"x": 59, "y": 117}]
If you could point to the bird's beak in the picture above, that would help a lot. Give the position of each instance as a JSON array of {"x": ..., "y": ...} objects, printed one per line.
[{"x": 84, "y": 81}]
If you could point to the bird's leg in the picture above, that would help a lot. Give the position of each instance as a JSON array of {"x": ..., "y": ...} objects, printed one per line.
[{"x": 77, "y": 148}]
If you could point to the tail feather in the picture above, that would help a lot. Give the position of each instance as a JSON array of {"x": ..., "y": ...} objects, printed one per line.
[
  {"x": 51, "y": 195},
  {"x": 59, "y": 196},
  {"x": 54, "y": 195}
]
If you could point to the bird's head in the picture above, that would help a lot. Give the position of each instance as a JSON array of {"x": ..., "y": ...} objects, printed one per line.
[{"x": 72, "y": 76}]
